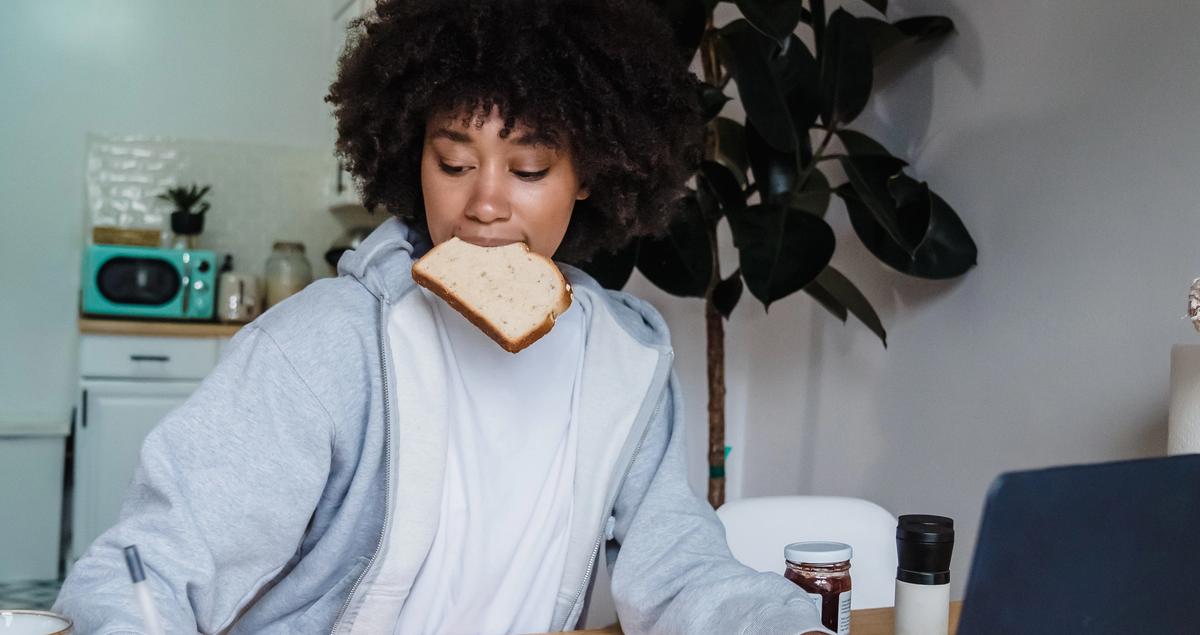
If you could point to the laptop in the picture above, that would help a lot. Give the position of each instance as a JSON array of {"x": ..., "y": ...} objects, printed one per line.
[{"x": 1090, "y": 549}]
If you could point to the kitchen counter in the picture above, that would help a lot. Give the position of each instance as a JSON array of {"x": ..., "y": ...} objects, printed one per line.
[{"x": 156, "y": 328}]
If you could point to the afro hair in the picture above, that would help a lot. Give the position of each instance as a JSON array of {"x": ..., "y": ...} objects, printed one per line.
[{"x": 603, "y": 77}]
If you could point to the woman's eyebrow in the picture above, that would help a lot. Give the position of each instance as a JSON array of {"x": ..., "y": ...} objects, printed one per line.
[
  {"x": 453, "y": 135},
  {"x": 528, "y": 139}
]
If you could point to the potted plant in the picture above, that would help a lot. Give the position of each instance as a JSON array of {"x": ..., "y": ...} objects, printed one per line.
[
  {"x": 765, "y": 176},
  {"x": 186, "y": 221}
]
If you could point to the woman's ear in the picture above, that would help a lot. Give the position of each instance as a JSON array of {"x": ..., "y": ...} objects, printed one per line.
[{"x": 584, "y": 192}]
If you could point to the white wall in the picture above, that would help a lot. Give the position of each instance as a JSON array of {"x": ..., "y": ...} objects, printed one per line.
[
  {"x": 1061, "y": 132},
  {"x": 219, "y": 69},
  {"x": 1064, "y": 134}
]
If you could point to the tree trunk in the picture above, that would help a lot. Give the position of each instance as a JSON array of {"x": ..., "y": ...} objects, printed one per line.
[
  {"x": 715, "y": 322},
  {"x": 716, "y": 404}
]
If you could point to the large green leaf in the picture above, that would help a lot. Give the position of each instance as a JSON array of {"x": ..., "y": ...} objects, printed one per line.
[
  {"x": 731, "y": 148},
  {"x": 727, "y": 293},
  {"x": 748, "y": 53},
  {"x": 712, "y": 100},
  {"x": 914, "y": 206},
  {"x": 774, "y": 171},
  {"x": 826, "y": 300},
  {"x": 774, "y": 18},
  {"x": 946, "y": 252},
  {"x": 612, "y": 270},
  {"x": 780, "y": 249},
  {"x": 878, "y": 5},
  {"x": 680, "y": 263},
  {"x": 858, "y": 144},
  {"x": 832, "y": 283},
  {"x": 799, "y": 77},
  {"x": 813, "y": 196},
  {"x": 710, "y": 205},
  {"x": 846, "y": 69},
  {"x": 688, "y": 19},
  {"x": 869, "y": 176},
  {"x": 720, "y": 183},
  {"x": 883, "y": 36}
]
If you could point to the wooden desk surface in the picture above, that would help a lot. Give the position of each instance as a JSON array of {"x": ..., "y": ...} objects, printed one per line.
[{"x": 862, "y": 622}]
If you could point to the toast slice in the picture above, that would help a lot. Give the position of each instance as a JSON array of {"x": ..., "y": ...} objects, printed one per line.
[{"x": 511, "y": 293}]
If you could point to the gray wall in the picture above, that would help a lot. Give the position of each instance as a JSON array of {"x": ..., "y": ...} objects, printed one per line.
[{"x": 1064, "y": 134}]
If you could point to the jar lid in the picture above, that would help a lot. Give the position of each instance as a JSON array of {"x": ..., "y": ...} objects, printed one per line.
[
  {"x": 817, "y": 552},
  {"x": 284, "y": 245}
]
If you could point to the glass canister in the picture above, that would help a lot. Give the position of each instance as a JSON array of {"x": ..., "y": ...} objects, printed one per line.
[
  {"x": 288, "y": 271},
  {"x": 822, "y": 569}
]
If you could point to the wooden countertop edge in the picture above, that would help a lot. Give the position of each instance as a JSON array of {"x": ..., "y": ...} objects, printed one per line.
[
  {"x": 156, "y": 328},
  {"x": 862, "y": 622}
]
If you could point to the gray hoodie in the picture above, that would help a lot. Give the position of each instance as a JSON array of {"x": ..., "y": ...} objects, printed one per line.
[{"x": 261, "y": 504}]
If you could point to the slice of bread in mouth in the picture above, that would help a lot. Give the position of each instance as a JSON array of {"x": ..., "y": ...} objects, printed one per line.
[{"x": 511, "y": 293}]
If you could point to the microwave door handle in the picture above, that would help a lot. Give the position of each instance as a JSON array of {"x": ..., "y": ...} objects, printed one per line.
[{"x": 187, "y": 282}]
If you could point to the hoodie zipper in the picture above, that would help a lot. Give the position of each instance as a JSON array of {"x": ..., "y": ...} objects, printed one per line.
[
  {"x": 387, "y": 451},
  {"x": 587, "y": 574}
]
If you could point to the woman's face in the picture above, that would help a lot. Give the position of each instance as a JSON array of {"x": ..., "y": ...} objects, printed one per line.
[{"x": 490, "y": 191}]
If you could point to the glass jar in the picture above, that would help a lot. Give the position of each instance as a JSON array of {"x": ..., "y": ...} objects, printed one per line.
[
  {"x": 288, "y": 271},
  {"x": 822, "y": 569}
]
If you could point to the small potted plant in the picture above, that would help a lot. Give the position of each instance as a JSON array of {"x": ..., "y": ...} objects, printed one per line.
[{"x": 186, "y": 221}]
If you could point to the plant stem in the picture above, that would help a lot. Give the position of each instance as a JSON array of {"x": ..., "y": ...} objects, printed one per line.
[
  {"x": 819, "y": 155},
  {"x": 715, "y": 332},
  {"x": 716, "y": 403}
]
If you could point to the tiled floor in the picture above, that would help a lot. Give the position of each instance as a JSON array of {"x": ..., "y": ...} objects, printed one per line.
[{"x": 36, "y": 594}]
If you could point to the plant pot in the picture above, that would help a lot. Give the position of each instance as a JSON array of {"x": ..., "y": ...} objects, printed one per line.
[{"x": 186, "y": 223}]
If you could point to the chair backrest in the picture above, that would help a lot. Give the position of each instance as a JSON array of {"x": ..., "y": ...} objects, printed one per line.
[{"x": 759, "y": 528}]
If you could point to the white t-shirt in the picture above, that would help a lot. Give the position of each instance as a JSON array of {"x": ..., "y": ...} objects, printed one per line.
[{"x": 500, "y": 549}]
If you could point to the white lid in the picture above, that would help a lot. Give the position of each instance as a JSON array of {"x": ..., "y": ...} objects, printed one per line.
[{"x": 817, "y": 552}]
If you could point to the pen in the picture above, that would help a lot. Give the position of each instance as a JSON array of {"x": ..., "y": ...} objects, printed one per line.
[{"x": 145, "y": 602}]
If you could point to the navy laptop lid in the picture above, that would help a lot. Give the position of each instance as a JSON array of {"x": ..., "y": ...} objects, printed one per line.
[{"x": 1105, "y": 548}]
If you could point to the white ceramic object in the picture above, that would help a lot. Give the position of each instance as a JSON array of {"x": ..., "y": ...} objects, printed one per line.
[{"x": 20, "y": 622}]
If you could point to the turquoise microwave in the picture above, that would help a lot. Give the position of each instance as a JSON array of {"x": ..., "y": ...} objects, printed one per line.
[{"x": 148, "y": 282}]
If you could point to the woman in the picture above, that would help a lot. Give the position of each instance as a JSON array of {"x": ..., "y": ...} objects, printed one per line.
[{"x": 362, "y": 460}]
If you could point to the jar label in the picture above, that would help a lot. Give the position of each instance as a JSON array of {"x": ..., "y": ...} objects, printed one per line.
[{"x": 843, "y": 610}]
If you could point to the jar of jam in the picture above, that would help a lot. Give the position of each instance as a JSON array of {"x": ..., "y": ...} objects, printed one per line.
[{"x": 822, "y": 569}]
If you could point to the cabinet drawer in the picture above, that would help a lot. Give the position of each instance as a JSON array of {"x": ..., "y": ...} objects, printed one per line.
[{"x": 119, "y": 356}]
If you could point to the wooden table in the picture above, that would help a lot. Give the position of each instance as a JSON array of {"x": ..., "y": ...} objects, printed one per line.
[{"x": 862, "y": 622}]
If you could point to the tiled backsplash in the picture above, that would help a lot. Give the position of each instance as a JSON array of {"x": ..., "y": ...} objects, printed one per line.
[{"x": 260, "y": 194}]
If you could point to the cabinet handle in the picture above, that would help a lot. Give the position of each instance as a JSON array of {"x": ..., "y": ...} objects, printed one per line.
[
  {"x": 83, "y": 410},
  {"x": 150, "y": 358}
]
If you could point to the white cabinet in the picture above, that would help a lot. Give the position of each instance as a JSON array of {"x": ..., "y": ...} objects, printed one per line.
[
  {"x": 31, "y": 483},
  {"x": 127, "y": 385}
]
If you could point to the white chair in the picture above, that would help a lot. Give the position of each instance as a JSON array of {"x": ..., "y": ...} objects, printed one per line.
[{"x": 759, "y": 528}]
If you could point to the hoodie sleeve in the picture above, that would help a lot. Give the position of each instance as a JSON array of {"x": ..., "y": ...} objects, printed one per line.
[
  {"x": 219, "y": 503},
  {"x": 672, "y": 571}
]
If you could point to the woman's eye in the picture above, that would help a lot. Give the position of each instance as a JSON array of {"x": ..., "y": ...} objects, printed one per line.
[
  {"x": 452, "y": 169},
  {"x": 531, "y": 176}
]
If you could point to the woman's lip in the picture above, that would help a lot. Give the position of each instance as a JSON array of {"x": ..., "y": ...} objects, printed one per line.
[{"x": 488, "y": 242}]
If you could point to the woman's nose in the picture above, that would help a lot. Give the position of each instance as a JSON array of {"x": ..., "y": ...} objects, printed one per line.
[{"x": 489, "y": 200}]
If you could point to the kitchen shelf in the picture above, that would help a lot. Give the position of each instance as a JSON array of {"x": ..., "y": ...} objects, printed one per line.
[{"x": 156, "y": 328}]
